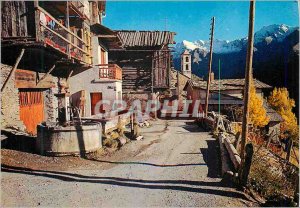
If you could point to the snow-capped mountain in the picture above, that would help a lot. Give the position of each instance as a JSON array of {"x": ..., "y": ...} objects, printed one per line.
[
  {"x": 266, "y": 34},
  {"x": 275, "y": 60},
  {"x": 273, "y": 32},
  {"x": 219, "y": 46}
]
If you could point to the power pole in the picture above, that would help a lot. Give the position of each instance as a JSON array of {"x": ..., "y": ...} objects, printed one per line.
[
  {"x": 248, "y": 75},
  {"x": 209, "y": 64}
]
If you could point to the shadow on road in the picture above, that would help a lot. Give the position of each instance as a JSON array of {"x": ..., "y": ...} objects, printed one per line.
[
  {"x": 21, "y": 142},
  {"x": 125, "y": 182},
  {"x": 191, "y": 128},
  {"x": 211, "y": 158},
  {"x": 150, "y": 164}
]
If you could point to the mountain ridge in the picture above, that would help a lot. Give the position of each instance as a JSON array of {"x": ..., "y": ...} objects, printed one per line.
[
  {"x": 275, "y": 32},
  {"x": 275, "y": 58}
]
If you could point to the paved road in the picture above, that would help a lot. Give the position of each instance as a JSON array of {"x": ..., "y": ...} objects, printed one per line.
[{"x": 175, "y": 165}]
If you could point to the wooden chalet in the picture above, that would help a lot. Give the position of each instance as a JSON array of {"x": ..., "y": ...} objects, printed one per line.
[
  {"x": 52, "y": 31},
  {"x": 145, "y": 60},
  {"x": 43, "y": 43}
]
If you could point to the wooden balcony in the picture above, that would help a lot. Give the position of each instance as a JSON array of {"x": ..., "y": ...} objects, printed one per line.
[
  {"x": 53, "y": 33},
  {"x": 78, "y": 8},
  {"x": 110, "y": 71}
]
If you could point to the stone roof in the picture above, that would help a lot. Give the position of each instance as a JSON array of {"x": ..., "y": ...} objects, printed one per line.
[
  {"x": 174, "y": 73},
  {"x": 273, "y": 115},
  {"x": 228, "y": 84},
  {"x": 223, "y": 99},
  {"x": 133, "y": 38}
]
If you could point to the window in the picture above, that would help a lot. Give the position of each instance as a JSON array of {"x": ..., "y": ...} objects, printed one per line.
[
  {"x": 187, "y": 67},
  {"x": 103, "y": 56},
  {"x": 187, "y": 59}
]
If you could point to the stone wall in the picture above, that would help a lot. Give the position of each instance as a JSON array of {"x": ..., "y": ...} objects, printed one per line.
[
  {"x": 51, "y": 103},
  {"x": 178, "y": 81},
  {"x": 182, "y": 80},
  {"x": 10, "y": 109},
  {"x": 142, "y": 97},
  {"x": 10, "y": 114}
]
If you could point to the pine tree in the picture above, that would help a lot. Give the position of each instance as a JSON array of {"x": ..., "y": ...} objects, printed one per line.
[{"x": 280, "y": 101}]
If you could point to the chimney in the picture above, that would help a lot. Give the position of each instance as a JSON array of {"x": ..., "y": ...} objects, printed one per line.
[{"x": 212, "y": 76}]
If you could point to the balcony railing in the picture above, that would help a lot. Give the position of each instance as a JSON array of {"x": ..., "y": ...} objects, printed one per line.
[
  {"x": 78, "y": 6},
  {"x": 110, "y": 71},
  {"x": 53, "y": 33}
]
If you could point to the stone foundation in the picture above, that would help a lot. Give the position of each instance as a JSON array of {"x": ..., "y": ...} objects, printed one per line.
[{"x": 10, "y": 114}]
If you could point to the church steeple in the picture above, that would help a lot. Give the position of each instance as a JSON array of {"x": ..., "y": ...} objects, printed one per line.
[{"x": 186, "y": 63}]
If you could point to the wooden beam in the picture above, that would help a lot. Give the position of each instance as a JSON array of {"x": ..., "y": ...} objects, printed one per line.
[
  {"x": 233, "y": 154},
  {"x": 13, "y": 69},
  {"x": 47, "y": 74},
  {"x": 68, "y": 26},
  {"x": 65, "y": 39},
  {"x": 68, "y": 78},
  {"x": 70, "y": 74}
]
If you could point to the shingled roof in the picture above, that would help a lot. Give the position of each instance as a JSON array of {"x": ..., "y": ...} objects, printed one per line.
[
  {"x": 133, "y": 38},
  {"x": 228, "y": 84},
  {"x": 272, "y": 114}
]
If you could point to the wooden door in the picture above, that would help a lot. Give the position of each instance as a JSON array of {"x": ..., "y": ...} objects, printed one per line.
[
  {"x": 31, "y": 109},
  {"x": 95, "y": 98}
]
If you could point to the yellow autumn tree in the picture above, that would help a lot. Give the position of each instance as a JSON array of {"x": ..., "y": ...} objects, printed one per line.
[
  {"x": 280, "y": 101},
  {"x": 257, "y": 112}
]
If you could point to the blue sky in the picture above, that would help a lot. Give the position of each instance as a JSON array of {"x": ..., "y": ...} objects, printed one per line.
[{"x": 191, "y": 20}]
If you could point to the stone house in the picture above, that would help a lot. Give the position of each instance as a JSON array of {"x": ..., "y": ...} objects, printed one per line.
[
  {"x": 178, "y": 82},
  {"x": 223, "y": 93},
  {"x": 103, "y": 82},
  {"x": 226, "y": 93}
]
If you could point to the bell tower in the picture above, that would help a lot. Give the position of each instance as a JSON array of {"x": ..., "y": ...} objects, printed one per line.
[{"x": 186, "y": 64}]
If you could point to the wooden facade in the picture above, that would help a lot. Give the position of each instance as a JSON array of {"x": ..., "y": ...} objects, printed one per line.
[
  {"x": 45, "y": 42},
  {"x": 54, "y": 32},
  {"x": 145, "y": 60},
  {"x": 14, "y": 23},
  {"x": 47, "y": 24}
]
